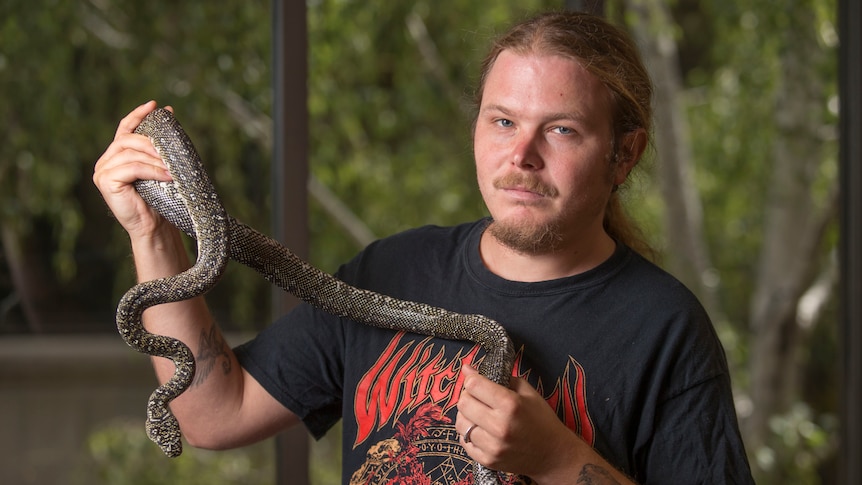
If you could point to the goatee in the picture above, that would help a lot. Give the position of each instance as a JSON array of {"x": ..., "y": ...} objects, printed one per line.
[{"x": 526, "y": 238}]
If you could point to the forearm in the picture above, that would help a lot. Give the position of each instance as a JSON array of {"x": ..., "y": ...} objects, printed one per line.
[
  {"x": 216, "y": 391},
  {"x": 575, "y": 462}
]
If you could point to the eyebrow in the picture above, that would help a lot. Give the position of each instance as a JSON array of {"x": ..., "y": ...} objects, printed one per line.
[{"x": 562, "y": 115}]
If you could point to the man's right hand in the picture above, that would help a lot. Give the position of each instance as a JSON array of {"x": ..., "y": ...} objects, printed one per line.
[{"x": 128, "y": 158}]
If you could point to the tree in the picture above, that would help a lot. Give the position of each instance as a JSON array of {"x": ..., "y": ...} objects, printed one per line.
[{"x": 763, "y": 158}]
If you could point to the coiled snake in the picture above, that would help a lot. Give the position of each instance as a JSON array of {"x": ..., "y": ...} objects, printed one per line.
[{"x": 191, "y": 204}]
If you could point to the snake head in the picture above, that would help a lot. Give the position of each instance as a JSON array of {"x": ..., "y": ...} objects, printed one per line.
[{"x": 164, "y": 430}]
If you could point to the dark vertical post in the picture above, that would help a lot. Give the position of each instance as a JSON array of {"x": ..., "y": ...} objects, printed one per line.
[
  {"x": 596, "y": 7},
  {"x": 850, "y": 80},
  {"x": 289, "y": 179}
]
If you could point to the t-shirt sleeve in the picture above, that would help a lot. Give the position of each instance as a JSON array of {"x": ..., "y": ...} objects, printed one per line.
[
  {"x": 298, "y": 360},
  {"x": 687, "y": 429},
  {"x": 696, "y": 439}
]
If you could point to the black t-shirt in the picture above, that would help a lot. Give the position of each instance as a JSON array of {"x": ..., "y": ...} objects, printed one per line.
[{"x": 624, "y": 353}]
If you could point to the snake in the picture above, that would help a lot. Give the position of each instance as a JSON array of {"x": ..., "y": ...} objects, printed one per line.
[{"x": 190, "y": 203}]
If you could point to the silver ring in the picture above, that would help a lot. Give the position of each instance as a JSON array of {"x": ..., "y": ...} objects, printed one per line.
[{"x": 467, "y": 433}]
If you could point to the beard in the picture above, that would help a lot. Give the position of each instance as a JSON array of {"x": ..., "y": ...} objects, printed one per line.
[
  {"x": 527, "y": 237},
  {"x": 524, "y": 235}
]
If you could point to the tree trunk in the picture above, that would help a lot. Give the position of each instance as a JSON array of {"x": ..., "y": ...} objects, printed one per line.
[
  {"x": 688, "y": 258},
  {"x": 794, "y": 228},
  {"x": 26, "y": 274}
]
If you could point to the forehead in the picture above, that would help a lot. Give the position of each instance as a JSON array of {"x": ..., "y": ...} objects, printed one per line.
[{"x": 533, "y": 81}]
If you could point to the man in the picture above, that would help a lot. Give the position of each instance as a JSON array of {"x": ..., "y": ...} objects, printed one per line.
[{"x": 619, "y": 376}]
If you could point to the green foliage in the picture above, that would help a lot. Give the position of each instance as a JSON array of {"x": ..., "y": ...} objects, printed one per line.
[
  {"x": 390, "y": 111},
  {"x": 732, "y": 121},
  {"x": 121, "y": 454},
  {"x": 800, "y": 444},
  {"x": 71, "y": 70},
  {"x": 735, "y": 124},
  {"x": 325, "y": 458}
]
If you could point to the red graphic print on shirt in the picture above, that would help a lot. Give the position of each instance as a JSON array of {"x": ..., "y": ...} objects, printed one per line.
[{"x": 416, "y": 379}]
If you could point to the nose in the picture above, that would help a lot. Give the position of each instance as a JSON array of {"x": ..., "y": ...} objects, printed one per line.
[{"x": 525, "y": 151}]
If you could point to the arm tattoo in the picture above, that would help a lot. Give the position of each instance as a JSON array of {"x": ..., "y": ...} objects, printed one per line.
[
  {"x": 211, "y": 348},
  {"x": 595, "y": 475}
]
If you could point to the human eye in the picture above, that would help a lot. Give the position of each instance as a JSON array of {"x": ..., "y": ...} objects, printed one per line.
[
  {"x": 563, "y": 130},
  {"x": 504, "y": 123}
]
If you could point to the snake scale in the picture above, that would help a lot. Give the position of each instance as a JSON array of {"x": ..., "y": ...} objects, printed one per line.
[{"x": 190, "y": 202}]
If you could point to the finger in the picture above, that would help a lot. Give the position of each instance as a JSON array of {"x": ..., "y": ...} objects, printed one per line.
[
  {"x": 482, "y": 388},
  {"x": 125, "y": 137},
  {"x": 466, "y": 429},
  {"x": 143, "y": 164},
  {"x": 127, "y": 166},
  {"x": 467, "y": 435},
  {"x": 132, "y": 143},
  {"x": 475, "y": 408},
  {"x": 522, "y": 387},
  {"x": 462, "y": 422},
  {"x": 469, "y": 404},
  {"x": 133, "y": 119}
]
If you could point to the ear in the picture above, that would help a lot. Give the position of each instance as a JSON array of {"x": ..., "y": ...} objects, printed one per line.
[{"x": 631, "y": 148}]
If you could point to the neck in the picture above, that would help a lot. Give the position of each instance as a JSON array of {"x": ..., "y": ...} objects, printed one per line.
[{"x": 568, "y": 260}]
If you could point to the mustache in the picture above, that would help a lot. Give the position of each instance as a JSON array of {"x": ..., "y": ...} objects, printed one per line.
[{"x": 526, "y": 182}]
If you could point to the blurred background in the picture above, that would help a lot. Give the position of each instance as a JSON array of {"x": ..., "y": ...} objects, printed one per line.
[{"x": 739, "y": 193}]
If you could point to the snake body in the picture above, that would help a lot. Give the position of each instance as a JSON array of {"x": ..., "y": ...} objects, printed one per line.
[{"x": 191, "y": 204}]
